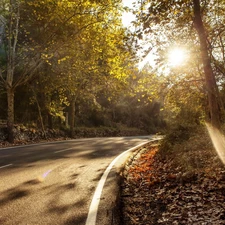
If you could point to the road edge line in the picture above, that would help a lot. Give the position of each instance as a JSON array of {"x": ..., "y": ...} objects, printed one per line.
[
  {"x": 1, "y": 167},
  {"x": 93, "y": 209}
]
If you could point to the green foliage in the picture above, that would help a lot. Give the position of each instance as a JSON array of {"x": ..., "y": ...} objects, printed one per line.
[{"x": 64, "y": 50}]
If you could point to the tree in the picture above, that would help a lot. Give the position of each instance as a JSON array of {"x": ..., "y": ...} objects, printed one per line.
[
  {"x": 101, "y": 61},
  {"x": 12, "y": 31},
  {"x": 38, "y": 32},
  {"x": 169, "y": 22},
  {"x": 212, "y": 89}
]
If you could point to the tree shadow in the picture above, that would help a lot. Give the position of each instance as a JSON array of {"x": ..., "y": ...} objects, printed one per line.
[
  {"x": 56, "y": 208},
  {"x": 32, "y": 182},
  {"x": 26, "y": 156},
  {"x": 18, "y": 192},
  {"x": 89, "y": 151},
  {"x": 98, "y": 177},
  {"x": 69, "y": 186},
  {"x": 73, "y": 176},
  {"x": 13, "y": 194},
  {"x": 81, "y": 219}
]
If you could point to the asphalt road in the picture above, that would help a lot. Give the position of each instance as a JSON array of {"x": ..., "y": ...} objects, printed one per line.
[{"x": 53, "y": 183}]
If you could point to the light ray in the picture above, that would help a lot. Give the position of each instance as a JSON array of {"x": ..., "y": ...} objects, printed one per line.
[{"x": 218, "y": 141}]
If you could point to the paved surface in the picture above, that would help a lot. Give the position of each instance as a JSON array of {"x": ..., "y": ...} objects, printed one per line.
[{"x": 53, "y": 183}]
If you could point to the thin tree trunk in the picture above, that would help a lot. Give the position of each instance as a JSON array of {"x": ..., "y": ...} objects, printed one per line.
[
  {"x": 39, "y": 113},
  {"x": 66, "y": 120},
  {"x": 50, "y": 122},
  {"x": 10, "y": 114},
  {"x": 72, "y": 115},
  {"x": 212, "y": 88}
]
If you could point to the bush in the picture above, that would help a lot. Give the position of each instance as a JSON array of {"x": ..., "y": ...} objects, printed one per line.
[
  {"x": 106, "y": 132},
  {"x": 176, "y": 135}
]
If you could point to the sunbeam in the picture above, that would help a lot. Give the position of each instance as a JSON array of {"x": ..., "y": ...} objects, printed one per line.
[{"x": 218, "y": 141}]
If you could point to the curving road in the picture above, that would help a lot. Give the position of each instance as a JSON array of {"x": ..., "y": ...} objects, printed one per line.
[{"x": 53, "y": 183}]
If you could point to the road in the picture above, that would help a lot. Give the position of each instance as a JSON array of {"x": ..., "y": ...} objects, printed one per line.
[{"x": 53, "y": 183}]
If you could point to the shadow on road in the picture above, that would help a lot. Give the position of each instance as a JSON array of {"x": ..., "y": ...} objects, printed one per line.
[
  {"x": 89, "y": 149},
  {"x": 60, "y": 194},
  {"x": 13, "y": 194}
]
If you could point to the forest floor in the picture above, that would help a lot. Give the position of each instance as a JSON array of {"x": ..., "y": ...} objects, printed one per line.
[{"x": 183, "y": 186}]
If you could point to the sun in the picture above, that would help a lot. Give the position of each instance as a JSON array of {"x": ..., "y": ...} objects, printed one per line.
[{"x": 176, "y": 57}]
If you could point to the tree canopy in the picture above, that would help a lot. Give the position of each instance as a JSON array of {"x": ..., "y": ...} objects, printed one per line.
[
  {"x": 197, "y": 26},
  {"x": 75, "y": 61}
]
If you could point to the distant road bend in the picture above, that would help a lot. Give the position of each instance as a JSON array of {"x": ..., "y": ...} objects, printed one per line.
[{"x": 55, "y": 183}]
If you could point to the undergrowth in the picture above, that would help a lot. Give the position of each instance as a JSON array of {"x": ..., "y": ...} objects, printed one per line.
[{"x": 189, "y": 148}]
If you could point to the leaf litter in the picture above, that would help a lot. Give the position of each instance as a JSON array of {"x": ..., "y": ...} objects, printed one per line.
[{"x": 157, "y": 190}]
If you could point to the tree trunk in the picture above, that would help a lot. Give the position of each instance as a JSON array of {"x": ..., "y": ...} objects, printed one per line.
[
  {"x": 40, "y": 115},
  {"x": 13, "y": 30},
  {"x": 50, "y": 122},
  {"x": 10, "y": 114},
  {"x": 66, "y": 120},
  {"x": 212, "y": 88},
  {"x": 72, "y": 115}
]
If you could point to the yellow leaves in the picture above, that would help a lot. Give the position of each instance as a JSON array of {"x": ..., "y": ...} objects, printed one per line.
[
  {"x": 48, "y": 62},
  {"x": 46, "y": 56},
  {"x": 63, "y": 59},
  {"x": 60, "y": 3}
]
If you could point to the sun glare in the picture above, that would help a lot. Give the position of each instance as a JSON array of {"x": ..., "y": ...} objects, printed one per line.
[{"x": 176, "y": 57}]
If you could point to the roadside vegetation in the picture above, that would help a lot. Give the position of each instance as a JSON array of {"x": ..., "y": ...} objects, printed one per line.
[
  {"x": 181, "y": 179},
  {"x": 178, "y": 181}
]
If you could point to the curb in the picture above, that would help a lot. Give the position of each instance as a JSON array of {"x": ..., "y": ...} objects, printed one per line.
[{"x": 129, "y": 162}]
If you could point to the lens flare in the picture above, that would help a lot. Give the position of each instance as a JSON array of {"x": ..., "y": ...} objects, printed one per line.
[
  {"x": 44, "y": 175},
  {"x": 218, "y": 141}
]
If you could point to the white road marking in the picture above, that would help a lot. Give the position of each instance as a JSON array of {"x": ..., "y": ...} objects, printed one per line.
[
  {"x": 92, "y": 214},
  {"x": 5, "y": 166},
  {"x": 64, "y": 150}
]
